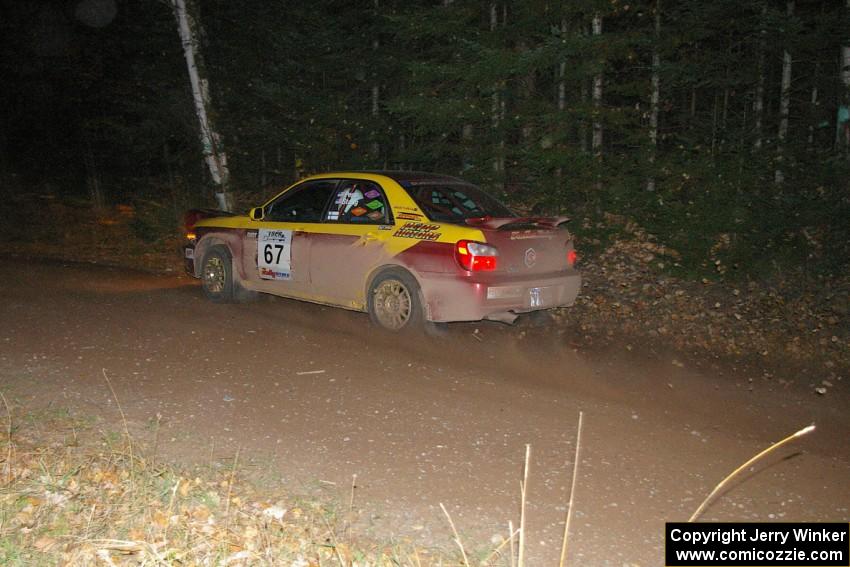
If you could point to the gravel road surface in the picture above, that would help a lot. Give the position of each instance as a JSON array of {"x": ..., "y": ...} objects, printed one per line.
[{"x": 311, "y": 396}]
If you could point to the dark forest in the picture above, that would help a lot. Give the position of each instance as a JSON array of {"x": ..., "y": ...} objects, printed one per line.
[{"x": 718, "y": 127}]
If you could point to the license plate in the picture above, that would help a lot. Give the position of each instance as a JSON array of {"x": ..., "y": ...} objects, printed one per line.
[{"x": 535, "y": 297}]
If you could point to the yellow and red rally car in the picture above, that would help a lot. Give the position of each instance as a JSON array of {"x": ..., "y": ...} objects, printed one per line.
[{"x": 406, "y": 247}]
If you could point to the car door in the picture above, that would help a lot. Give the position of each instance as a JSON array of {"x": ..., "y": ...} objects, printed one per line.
[
  {"x": 351, "y": 242},
  {"x": 277, "y": 251}
]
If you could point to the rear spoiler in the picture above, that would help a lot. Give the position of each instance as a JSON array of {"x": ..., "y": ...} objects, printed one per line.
[{"x": 517, "y": 223}]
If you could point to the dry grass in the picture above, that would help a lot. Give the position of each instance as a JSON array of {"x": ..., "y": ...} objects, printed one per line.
[
  {"x": 753, "y": 460},
  {"x": 95, "y": 499},
  {"x": 516, "y": 539},
  {"x": 567, "y": 521},
  {"x": 86, "y": 502}
]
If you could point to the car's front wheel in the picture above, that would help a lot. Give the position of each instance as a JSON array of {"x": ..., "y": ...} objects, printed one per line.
[{"x": 394, "y": 303}]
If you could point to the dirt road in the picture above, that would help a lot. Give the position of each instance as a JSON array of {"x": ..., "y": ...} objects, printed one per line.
[{"x": 310, "y": 396}]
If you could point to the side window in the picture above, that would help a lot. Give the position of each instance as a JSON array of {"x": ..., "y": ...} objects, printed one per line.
[
  {"x": 304, "y": 203},
  {"x": 359, "y": 202}
]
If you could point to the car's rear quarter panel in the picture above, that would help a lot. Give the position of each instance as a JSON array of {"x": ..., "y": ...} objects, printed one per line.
[
  {"x": 453, "y": 294},
  {"x": 209, "y": 234}
]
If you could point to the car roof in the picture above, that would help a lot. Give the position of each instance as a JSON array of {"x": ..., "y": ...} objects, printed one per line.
[{"x": 408, "y": 178}]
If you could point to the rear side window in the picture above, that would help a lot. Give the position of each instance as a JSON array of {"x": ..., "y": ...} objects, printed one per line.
[
  {"x": 358, "y": 202},
  {"x": 304, "y": 203},
  {"x": 456, "y": 203}
]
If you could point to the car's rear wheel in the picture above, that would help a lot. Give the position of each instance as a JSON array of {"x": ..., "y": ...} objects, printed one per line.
[
  {"x": 394, "y": 303},
  {"x": 217, "y": 278},
  {"x": 217, "y": 275}
]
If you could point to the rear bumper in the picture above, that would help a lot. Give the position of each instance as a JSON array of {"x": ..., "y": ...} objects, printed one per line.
[
  {"x": 189, "y": 259},
  {"x": 452, "y": 298}
]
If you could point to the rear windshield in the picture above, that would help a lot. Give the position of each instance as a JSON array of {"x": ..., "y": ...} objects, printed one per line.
[{"x": 456, "y": 203}]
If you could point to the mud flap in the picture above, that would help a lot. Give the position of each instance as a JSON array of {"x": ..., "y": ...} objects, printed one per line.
[{"x": 505, "y": 317}]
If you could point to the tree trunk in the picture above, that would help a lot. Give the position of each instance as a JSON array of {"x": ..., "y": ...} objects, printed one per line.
[
  {"x": 497, "y": 110},
  {"x": 527, "y": 88},
  {"x": 727, "y": 80},
  {"x": 166, "y": 159},
  {"x": 402, "y": 147},
  {"x": 376, "y": 92},
  {"x": 93, "y": 181},
  {"x": 758, "y": 103},
  {"x": 562, "y": 71},
  {"x": 785, "y": 93},
  {"x": 597, "y": 94},
  {"x": 582, "y": 124},
  {"x": 845, "y": 64},
  {"x": 844, "y": 99},
  {"x": 714, "y": 126},
  {"x": 214, "y": 155},
  {"x": 655, "y": 97},
  {"x": 375, "y": 149},
  {"x": 562, "y": 91},
  {"x": 784, "y": 104},
  {"x": 814, "y": 104},
  {"x": 467, "y": 133},
  {"x": 263, "y": 178}
]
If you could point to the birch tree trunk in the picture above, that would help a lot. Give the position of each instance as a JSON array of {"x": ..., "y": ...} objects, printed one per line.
[
  {"x": 596, "y": 143},
  {"x": 758, "y": 103},
  {"x": 214, "y": 155},
  {"x": 784, "y": 104},
  {"x": 655, "y": 97}
]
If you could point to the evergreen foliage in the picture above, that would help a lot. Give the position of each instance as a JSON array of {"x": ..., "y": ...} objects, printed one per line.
[{"x": 499, "y": 92}]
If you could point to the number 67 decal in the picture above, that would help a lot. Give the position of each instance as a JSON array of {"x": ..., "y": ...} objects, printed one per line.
[
  {"x": 274, "y": 252},
  {"x": 269, "y": 253}
]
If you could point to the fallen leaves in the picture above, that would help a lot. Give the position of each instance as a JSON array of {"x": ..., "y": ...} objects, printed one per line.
[
  {"x": 81, "y": 506},
  {"x": 623, "y": 290}
]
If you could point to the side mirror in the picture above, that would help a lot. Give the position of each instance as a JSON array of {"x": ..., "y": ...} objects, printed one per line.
[{"x": 256, "y": 213}]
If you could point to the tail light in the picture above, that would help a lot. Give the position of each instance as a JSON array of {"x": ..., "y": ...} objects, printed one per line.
[
  {"x": 475, "y": 256},
  {"x": 572, "y": 257},
  {"x": 189, "y": 220}
]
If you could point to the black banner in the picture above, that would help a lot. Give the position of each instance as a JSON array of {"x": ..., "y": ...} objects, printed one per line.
[{"x": 757, "y": 544}]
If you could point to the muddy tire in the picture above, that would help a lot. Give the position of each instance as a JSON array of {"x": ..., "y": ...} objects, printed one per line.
[
  {"x": 217, "y": 278},
  {"x": 394, "y": 302}
]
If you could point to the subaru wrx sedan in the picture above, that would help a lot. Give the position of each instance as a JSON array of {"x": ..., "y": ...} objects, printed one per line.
[{"x": 405, "y": 247}]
